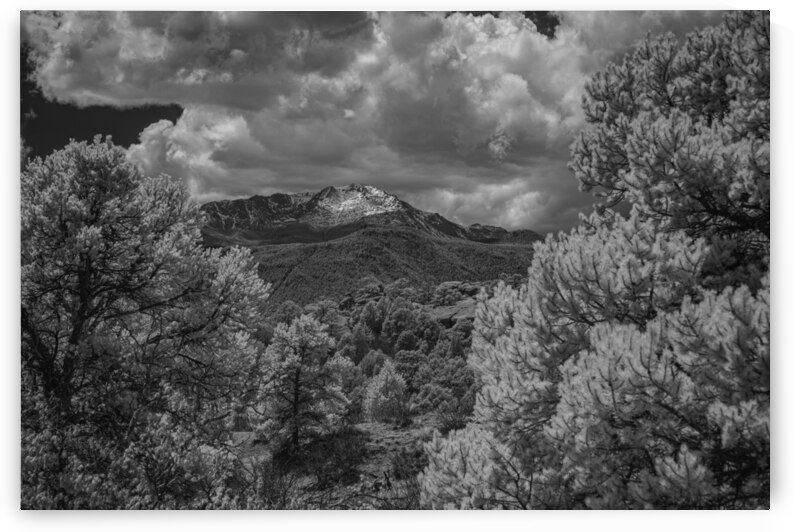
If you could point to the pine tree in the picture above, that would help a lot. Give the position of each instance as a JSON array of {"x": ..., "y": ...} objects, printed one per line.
[
  {"x": 408, "y": 363},
  {"x": 682, "y": 132},
  {"x": 135, "y": 350},
  {"x": 406, "y": 341},
  {"x": 385, "y": 396},
  {"x": 631, "y": 370},
  {"x": 362, "y": 340},
  {"x": 301, "y": 394},
  {"x": 372, "y": 317}
]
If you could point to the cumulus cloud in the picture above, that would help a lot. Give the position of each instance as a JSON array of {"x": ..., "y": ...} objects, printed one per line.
[{"x": 468, "y": 116}]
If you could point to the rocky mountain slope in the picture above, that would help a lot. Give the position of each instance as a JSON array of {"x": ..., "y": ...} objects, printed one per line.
[
  {"x": 335, "y": 212},
  {"x": 313, "y": 246}
]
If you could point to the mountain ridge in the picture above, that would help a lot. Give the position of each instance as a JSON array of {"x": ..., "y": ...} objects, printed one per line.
[
  {"x": 318, "y": 245},
  {"x": 326, "y": 214}
]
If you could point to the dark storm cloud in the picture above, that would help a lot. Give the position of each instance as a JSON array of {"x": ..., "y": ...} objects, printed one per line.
[
  {"x": 469, "y": 116},
  {"x": 232, "y": 59}
]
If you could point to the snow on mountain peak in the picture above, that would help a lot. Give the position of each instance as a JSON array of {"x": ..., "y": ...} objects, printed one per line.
[{"x": 350, "y": 203}]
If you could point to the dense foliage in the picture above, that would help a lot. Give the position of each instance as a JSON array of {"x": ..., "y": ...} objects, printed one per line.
[
  {"x": 631, "y": 370},
  {"x": 330, "y": 269},
  {"x": 136, "y": 344}
]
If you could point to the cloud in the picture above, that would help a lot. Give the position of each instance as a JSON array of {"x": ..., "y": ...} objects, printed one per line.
[
  {"x": 512, "y": 202},
  {"x": 468, "y": 116},
  {"x": 239, "y": 60},
  {"x": 607, "y": 34}
]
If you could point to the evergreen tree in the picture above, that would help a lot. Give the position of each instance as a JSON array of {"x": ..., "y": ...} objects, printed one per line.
[
  {"x": 135, "y": 350},
  {"x": 372, "y": 317},
  {"x": 385, "y": 396},
  {"x": 301, "y": 394},
  {"x": 362, "y": 340},
  {"x": 406, "y": 341},
  {"x": 408, "y": 363},
  {"x": 682, "y": 132},
  {"x": 631, "y": 370}
]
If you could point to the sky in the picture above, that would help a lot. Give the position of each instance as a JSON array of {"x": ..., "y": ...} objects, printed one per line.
[{"x": 470, "y": 115}]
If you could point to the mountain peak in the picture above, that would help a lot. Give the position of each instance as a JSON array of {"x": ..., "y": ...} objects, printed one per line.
[
  {"x": 336, "y": 206},
  {"x": 336, "y": 211},
  {"x": 366, "y": 190}
]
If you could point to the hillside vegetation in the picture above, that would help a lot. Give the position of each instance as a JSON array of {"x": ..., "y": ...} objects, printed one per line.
[{"x": 306, "y": 272}]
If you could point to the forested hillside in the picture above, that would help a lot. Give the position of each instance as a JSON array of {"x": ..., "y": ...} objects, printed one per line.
[{"x": 305, "y": 272}]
